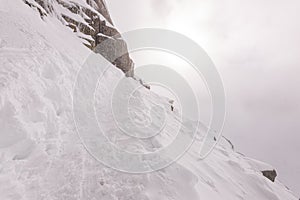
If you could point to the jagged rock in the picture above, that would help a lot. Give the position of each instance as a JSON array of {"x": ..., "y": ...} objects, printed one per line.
[
  {"x": 91, "y": 21},
  {"x": 113, "y": 47},
  {"x": 270, "y": 174}
]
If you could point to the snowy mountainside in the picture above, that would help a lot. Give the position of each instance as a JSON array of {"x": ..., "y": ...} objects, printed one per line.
[
  {"x": 41, "y": 155},
  {"x": 90, "y": 21}
]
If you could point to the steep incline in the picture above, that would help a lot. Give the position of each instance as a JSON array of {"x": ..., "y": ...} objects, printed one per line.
[
  {"x": 41, "y": 155},
  {"x": 90, "y": 21}
]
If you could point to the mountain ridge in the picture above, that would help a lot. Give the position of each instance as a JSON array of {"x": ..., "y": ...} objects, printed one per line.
[
  {"x": 41, "y": 155},
  {"x": 90, "y": 21}
]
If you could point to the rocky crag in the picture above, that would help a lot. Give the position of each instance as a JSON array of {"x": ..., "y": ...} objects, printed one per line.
[{"x": 90, "y": 20}]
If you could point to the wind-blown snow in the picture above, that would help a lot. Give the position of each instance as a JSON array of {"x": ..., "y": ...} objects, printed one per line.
[{"x": 41, "y": 155}]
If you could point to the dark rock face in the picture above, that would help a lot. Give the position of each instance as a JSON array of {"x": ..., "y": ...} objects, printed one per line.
[
  {"x": 113, "y": 47},
  {"x": 270, "y": 174},
  {"x": 91, "y": 21}
]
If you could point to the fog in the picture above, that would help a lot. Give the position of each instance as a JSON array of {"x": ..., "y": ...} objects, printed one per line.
[{"x": 255, "y": 45}]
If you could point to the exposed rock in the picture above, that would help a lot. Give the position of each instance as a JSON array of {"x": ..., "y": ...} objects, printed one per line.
[
  {"x": 91, "y": 21},
  {"x": 270, "y": 174},
  {"x": 113, "y": 47}
]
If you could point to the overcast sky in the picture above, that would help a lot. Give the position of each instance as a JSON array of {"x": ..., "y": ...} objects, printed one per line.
[{"x": 256, "y": 48}]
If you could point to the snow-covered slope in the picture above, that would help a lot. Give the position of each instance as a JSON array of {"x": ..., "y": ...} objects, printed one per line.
[
  {"x": 41, "y": 155},
  {"x": 90, "y": 21}
]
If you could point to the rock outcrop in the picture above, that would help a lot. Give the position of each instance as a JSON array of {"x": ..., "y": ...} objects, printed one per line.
[
  {"x": 91, "y": 21},
  {"x": 270, "y": 174}
]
